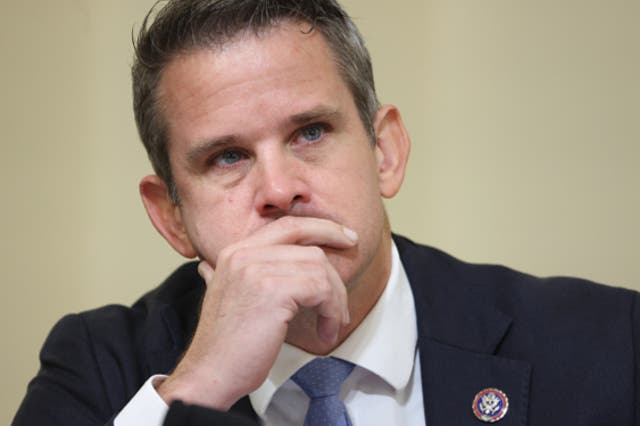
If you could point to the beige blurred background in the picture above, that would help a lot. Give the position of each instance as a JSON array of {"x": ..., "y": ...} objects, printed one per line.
[{"x": 524, "y": 117}]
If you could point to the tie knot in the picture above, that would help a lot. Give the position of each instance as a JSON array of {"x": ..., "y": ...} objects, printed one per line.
[{"x": 323, "y": 376}]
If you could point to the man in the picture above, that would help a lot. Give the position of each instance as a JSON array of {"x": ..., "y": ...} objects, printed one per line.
[{"x": 271, "y": 156}]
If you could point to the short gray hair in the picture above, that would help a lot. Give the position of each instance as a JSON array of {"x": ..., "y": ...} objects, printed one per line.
[{"x": 184, "y": 25}]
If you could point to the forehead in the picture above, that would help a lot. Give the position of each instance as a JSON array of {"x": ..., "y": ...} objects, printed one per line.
[{"x": 286, "y": 56}]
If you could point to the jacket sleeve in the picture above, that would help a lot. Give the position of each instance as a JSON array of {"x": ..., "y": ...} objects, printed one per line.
[
  {"x": 69, "y": 388},
  {"x": 192, "y": 415}
]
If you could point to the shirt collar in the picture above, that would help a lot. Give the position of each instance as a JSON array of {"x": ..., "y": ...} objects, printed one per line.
[{"x": 384, "y": 343}]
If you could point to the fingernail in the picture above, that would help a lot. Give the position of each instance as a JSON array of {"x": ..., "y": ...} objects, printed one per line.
[{"x": 350, "y": 233}]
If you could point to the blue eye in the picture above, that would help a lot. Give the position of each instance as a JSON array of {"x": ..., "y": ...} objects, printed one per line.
[
  {"x": 228, "y": 158},
  {"x": 312, "y": 133}
]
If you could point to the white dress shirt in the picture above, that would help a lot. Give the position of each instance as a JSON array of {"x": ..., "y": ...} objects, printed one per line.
[{"x": 384, "y": 388}]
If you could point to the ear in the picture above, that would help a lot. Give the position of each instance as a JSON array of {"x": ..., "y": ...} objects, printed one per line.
[
  {"x": 165, "y": 214},
  {"x": 392, "y": 149}
]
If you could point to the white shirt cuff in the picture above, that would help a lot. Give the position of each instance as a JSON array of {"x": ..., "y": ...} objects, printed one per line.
[{"x": 146, "y": 408}]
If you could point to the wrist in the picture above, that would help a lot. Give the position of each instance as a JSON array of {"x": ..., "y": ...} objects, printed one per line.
[{"x": 195, "y": 389}]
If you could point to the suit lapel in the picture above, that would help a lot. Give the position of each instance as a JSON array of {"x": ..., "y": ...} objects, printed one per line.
[
  {"x": 459, "y": 333},
  {"x": 451, "y": 377}
]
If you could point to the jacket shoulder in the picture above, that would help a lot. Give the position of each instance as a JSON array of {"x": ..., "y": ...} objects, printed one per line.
[
  {"x": 94, "y": 361},
  {"x": 504, "y": 286}
]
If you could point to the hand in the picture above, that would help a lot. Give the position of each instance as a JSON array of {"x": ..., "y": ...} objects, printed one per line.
[{"x": 258, "y": 287}]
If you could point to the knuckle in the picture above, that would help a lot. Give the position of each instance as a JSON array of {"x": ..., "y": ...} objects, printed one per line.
[
  {"x": 245, "y": 273},
  {"x": 224, "y": 255},
  {"x": 322, "y": 286},
  {"x": 316, "y": 254},
  {"x": 237, "y": 258},
  {"x": 267, "y": 285}
]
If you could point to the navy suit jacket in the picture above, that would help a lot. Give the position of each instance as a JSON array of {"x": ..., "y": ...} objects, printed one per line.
[{"x": 565, "y": 351}]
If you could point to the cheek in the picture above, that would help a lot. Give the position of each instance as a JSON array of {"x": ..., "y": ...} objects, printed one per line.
[
  {"x": 214, "y": 223},
  {"x": 210, "y": 237},
  {"x": 360, "y": 186}
]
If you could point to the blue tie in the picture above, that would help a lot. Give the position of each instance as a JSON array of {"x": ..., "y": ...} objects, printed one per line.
[{"x": 321, "y": 379}]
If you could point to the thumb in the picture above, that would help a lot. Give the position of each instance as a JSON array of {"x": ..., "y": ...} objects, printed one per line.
[{"x": 206, "y": 271}]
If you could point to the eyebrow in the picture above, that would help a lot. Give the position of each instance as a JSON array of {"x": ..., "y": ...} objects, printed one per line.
[
  {"x": 321, "y": 112},
  {"x": 204, "y": 148}
]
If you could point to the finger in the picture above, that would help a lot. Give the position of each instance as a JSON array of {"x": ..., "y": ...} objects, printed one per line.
[
  {"x": 206, "y": 271},
  {"x": 328, "y": 329},
  {"x": 305, "y": 276},
  {"x": 286, "y": 256},
  {"x": 303, "y": 231},
  {"x": 321, "y": 289},
  {"x": 334, "y": 312}
]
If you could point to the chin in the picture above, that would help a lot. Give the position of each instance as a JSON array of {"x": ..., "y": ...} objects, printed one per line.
[{"x": 348, "y": 263}]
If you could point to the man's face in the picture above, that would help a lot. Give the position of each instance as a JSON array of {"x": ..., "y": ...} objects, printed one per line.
[{"x": 266, "y": 127}]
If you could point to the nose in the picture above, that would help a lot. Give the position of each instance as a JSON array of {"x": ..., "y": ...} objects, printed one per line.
[{"x": 280, "y": 185}]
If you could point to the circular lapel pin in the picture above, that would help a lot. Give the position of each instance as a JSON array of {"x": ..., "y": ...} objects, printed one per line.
[{"x": 490, "y": 405}]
